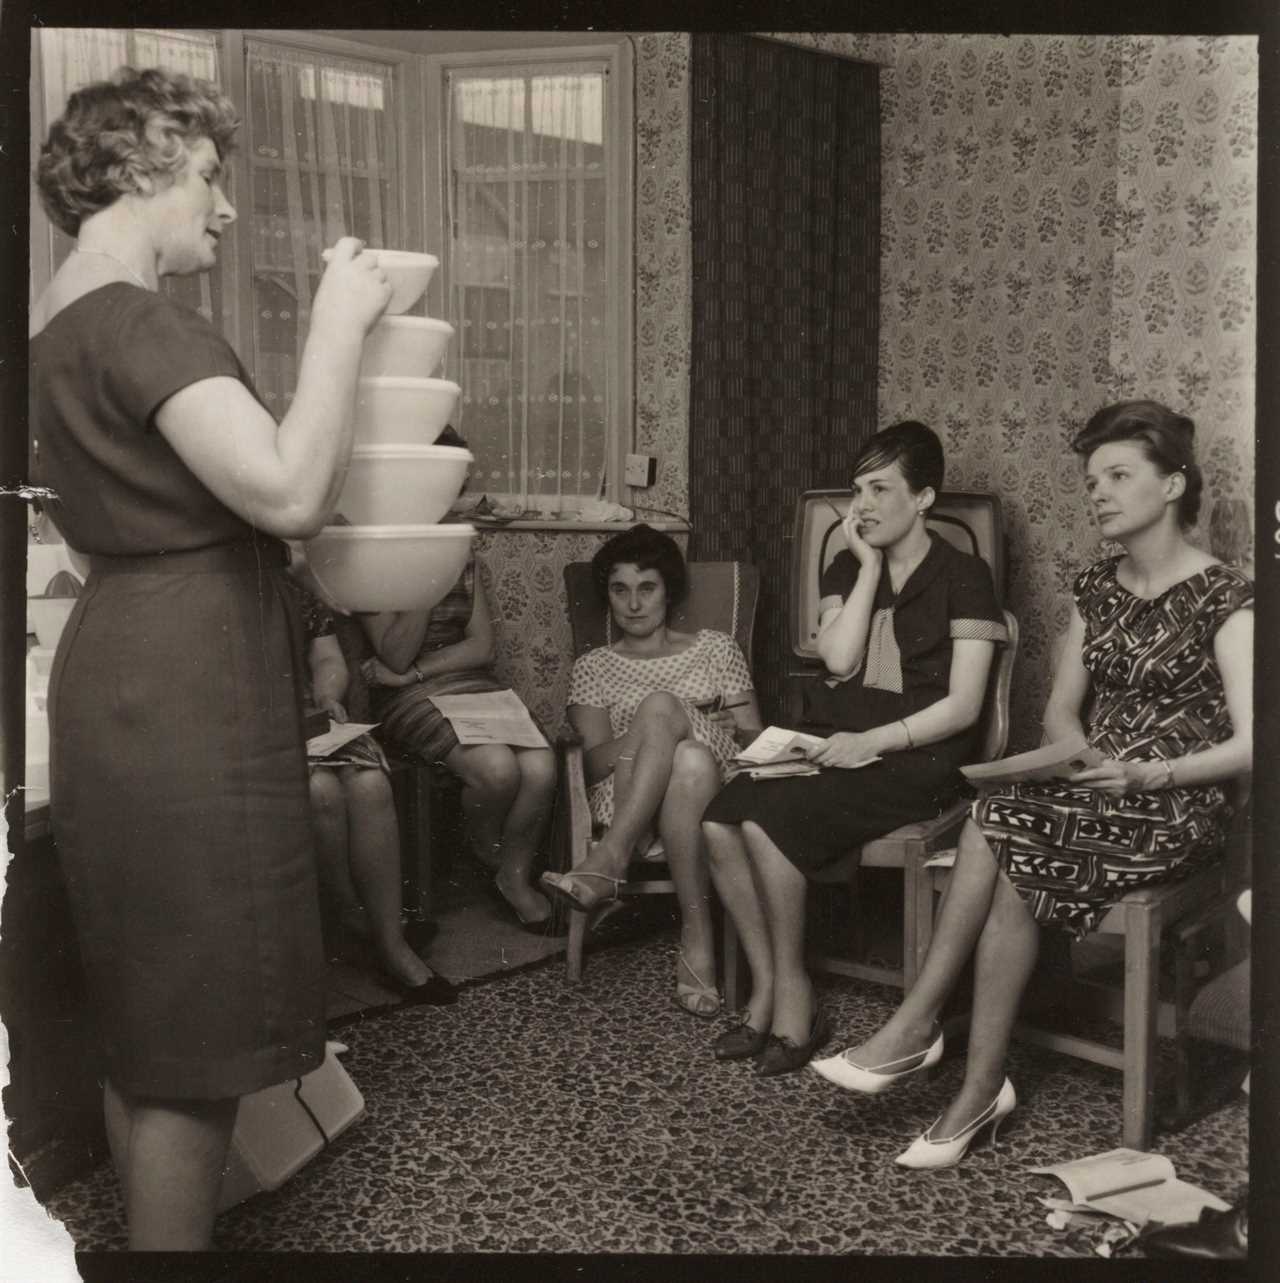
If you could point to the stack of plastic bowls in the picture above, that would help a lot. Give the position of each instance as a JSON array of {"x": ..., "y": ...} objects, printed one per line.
[{"x": 392, "y": 555}]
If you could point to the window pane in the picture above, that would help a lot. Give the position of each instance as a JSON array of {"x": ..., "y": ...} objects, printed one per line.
[
  {"x": 528, "y": 164},
  {"x": 322, "y": 152}
]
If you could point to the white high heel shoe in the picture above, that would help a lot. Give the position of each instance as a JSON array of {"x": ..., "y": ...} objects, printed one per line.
[
  {"x": 872, "y": 1080},
  {"x": 925, "y": 1152}
]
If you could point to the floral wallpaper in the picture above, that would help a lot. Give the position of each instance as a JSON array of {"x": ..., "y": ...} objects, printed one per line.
[
  {"x": 1066, "y": 221},
  {"x": 523, "y": 575}
]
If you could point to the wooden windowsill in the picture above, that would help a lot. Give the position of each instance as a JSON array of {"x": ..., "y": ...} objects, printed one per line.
[{"x": 556, "y": 525}]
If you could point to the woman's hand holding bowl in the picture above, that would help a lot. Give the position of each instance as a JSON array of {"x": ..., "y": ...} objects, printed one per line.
[
  {"x": 353, "y": 287},
  {"x": 844, "y": 749}
]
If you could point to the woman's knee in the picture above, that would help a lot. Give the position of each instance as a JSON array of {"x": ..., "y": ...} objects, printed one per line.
[
  {"x": 659, "y": 709},
  {"x": 537, "y": 767},
  {"x": 723, "y": 842},
  {"x": 694, "y": 768},
  {"x": 367, "y": 788},
  {"x": 491, "y": 769},
  {"x": 326, "y": 791}
]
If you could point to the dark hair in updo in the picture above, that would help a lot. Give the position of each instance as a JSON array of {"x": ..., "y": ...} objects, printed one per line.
[
  {"x": 647, "y": 549},
  {"x": 1166, "y": 438},
  {"x": 138, "y": 122},
  {"x": 913, "y": 446}
]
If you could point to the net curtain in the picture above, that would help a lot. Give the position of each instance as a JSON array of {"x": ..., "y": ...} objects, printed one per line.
[
  {"x": 321, "y": 149},
  {"x": 526, "y": 160}
]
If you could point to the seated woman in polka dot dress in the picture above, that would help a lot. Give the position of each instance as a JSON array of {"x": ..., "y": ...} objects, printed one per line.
[{"x": 661, "y": 713}]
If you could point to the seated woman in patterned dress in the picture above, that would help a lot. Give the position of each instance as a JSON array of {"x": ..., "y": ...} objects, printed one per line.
[
  {"x": 354, "y": 816},
  {"x": 506, "y": 791},
  {"x": 1157, "y": 672},
  {"x": 908, "y": 626},
  {"x": 661, "y": 714}
]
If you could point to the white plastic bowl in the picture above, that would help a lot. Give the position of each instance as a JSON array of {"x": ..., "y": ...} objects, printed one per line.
[
  {"x": 409, "y": 274},
  {"x": 389, "y": 567},
  {"x": 47, "y": 617},
  {"x": 402, "y": 485},
  {"x": 405, "y": 347},
  {"x": 396, "y": 411}
]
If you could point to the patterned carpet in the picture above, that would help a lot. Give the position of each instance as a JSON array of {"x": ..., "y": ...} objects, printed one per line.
[{"x": 532, "y": 1117}]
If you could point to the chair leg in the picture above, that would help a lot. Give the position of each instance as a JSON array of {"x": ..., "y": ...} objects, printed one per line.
[
  {"x": 917, "y": 905},
  {"x": 735, "y": 988},
  {"x": 1184, "y": 974},
  {"x": 1141, "y": 1009},
  {"x": 420, "y": 821},
  {"x": 577, "y": 939},
  {"x": 857, "y": 918}
]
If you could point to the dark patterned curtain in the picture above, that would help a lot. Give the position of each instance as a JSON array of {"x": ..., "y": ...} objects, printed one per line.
[{"x": 785, "y": 170}]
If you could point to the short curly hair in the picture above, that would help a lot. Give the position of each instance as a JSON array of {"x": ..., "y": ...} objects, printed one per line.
[
  {"x": 137, "y": 122},
  {"x": 647, "y": 549}
]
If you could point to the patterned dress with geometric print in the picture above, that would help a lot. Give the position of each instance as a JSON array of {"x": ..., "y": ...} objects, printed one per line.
[{"x": 1071, "y": 851}]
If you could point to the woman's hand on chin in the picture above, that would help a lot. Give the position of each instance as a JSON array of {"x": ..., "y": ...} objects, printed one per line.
[
  {"x": 844, "y": 748},
  {"x": 866, "y": 555}
]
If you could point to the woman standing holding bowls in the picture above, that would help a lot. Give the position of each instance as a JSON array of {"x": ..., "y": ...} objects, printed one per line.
[{"x": 179, "y": 776}]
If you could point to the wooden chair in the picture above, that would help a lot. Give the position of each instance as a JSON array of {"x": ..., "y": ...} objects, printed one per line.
[
  {"x": 1143, "y": 919},
  {"x": 972, "y": 521},
  {"x": 722, "y": 595}
]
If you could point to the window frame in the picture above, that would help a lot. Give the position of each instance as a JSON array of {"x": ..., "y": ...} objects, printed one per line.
[
  {"x": 620, "y": 207},
  {"x": 419, "y": 81},
  {"x": 407, "y": 77}
]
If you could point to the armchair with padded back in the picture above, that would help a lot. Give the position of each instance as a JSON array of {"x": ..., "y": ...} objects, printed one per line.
[
  {"x": 722, "y": 595},
  {"x": 973, "y": 522}
]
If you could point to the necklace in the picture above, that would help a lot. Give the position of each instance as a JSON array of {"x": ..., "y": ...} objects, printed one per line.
[{"x": 102, "y": 253}]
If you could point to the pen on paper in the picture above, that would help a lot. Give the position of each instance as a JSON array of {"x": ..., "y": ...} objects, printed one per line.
[{"x": 1128, "y": 1189}]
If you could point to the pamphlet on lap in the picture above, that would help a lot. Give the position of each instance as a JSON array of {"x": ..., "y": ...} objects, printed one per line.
[
  {"x": 1131, "y": 1185},
  {"x": 777, "y": 752},
  {"x": 491, "y": 717},
  {"x": 338, "y": 734},
  {"x": 1059, "y": 760}
]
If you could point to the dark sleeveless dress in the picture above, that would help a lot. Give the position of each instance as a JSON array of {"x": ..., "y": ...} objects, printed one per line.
[{"x": 178, "y": 777}]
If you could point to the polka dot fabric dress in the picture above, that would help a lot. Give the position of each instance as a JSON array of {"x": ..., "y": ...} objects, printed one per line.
[{"x": 618, "y": 682}]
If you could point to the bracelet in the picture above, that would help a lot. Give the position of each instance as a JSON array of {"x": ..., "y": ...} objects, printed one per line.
[
  {"x": 903, "y": 722},
  {"x": 417, "y": 672},
  {"x": 1168, "y": 773}
]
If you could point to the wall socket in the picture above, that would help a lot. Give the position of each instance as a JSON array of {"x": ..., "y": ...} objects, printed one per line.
[{"x": 640, "y": 470}]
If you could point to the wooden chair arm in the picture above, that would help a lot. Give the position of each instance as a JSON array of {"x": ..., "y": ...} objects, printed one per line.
[{"x": 573, "y": 795}]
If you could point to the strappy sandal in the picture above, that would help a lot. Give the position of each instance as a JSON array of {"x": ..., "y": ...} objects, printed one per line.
[
  {"x": 561, "y": 886},
  {"x": 698, "y": 999}
]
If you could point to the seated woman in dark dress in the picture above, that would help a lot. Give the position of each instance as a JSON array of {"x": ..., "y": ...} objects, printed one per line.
[
  {"x": 907, "y": 629},
  {"x": 1160, "y": 651}
]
